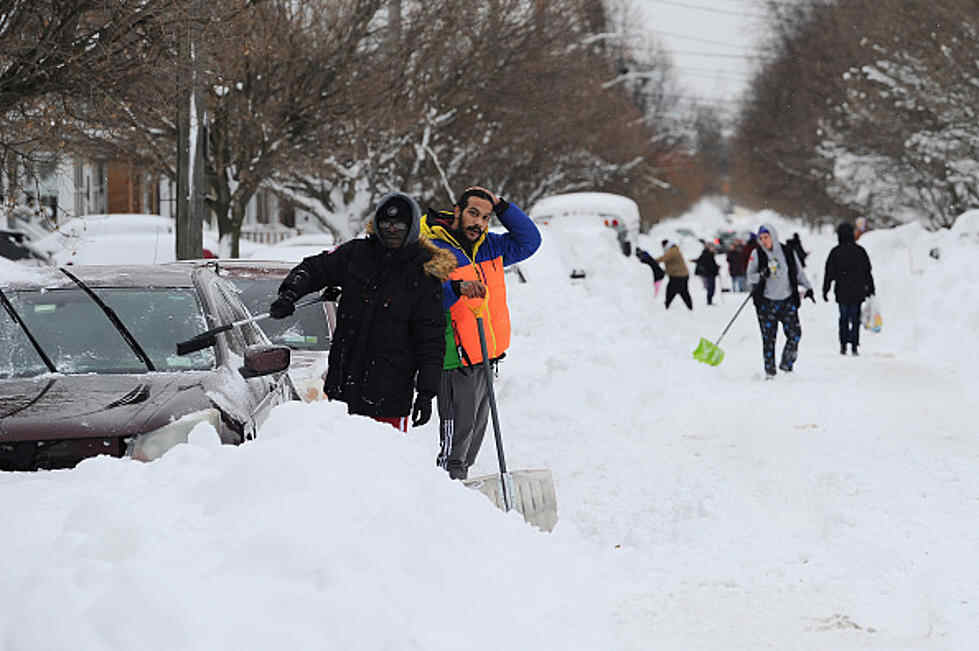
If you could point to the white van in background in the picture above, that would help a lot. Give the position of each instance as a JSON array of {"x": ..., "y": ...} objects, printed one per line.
[{"x": 576, "y": 219}]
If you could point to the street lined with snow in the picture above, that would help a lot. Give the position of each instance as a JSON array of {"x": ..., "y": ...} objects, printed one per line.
[{"x": 700, "y": 507}]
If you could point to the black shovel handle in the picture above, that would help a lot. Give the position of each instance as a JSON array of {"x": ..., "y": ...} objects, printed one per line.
[
  {"x": 207, "y": 338},
  {"x": 731, "y": 322},
  {"x": 504, "y": 486}
]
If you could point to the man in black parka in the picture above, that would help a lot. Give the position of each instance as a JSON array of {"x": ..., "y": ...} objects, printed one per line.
[
  {"x": 390, "y": 333},
  {"x": 848, "y": 265}
]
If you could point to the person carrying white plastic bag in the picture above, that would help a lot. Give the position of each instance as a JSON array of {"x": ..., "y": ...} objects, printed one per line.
[
  {"x": 848, "y": 265},
  {"x": 870, "y": 316}
]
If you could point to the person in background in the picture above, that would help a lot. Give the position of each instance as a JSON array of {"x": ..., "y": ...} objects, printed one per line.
[
  {"x": 658, "y": 274},
  {"x": 476, "y": 287},
  {"x": 389, "y": 340},
  {"x": 774, "y": 274},
  {"x": 796, "y": 243},
  {"x": 706, "y": 267},
  {"x": 676, "y": 269},
  {"x": 848, "y": 265},
  {"x": 861, "y": 227},
  {"x": 737, "y": 263}
]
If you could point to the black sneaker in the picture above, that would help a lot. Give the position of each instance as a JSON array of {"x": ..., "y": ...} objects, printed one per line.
[{"x": 786, "y": 368}]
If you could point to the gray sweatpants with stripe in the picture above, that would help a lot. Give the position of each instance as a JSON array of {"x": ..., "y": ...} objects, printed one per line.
[{"x": 463, "y": 404}]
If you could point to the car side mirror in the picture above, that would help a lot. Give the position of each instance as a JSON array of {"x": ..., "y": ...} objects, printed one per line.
[{"x": 262, "y": 359}]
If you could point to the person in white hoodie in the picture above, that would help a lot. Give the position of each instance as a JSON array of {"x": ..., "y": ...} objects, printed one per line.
[{"x": 774, "y": 274}]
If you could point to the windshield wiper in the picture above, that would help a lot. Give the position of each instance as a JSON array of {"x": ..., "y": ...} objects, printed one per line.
[
  {"x": 23, "y": 326},
  {"x": 116, "y": 321}
]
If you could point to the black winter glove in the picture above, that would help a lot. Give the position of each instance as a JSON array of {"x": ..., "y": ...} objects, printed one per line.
[
  {"x": 422, "y": 410},
  {"x": 810, "y": 295},
  {"x": 283, "y": 306}
]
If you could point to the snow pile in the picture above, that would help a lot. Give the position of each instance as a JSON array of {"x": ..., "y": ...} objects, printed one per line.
[
  {"x": 120, "y": 239},
  {"x": 930, "y": 297},
  {"x": 329, "y": 532},
  {"x": 13, "y": 272}
]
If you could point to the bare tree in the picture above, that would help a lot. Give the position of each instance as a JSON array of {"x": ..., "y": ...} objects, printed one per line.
[{"x": 55, "y": 56}]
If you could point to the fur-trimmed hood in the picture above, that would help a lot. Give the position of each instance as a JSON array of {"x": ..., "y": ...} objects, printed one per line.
[{"x": 441, "y": 264}]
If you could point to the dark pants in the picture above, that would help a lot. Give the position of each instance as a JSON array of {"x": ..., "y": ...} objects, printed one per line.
[
  {"x": 710, "y": 283},
  {"x": 850, "y": 324},
  {"x": 770, "y": 314},
  {"x": 463, "y": 404},
  {"x": 678, "y": 285}
]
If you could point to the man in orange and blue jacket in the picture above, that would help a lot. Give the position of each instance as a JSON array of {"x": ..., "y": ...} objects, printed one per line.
[{"x": 477, "y": 286}]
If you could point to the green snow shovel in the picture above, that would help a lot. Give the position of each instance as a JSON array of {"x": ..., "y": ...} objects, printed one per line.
[
  {"x": 530, "y": 492},
  {"x": 710, "y": 353}
]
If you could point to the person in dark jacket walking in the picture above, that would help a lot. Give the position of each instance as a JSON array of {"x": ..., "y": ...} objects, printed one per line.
[
  {"x": 390, "y": 333},
  {"x": 775, "y": 274},
  {"x": 796, "y": 243},
  {"x": 658, "y": 274},
  {"x": 706, "y": 267},
  {"x": 848, "y": 265},
  {"x": 737, "y": 264}
]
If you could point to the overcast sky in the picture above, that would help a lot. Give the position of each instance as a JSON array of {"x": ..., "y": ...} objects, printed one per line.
[{"x": 710, "y": 41}]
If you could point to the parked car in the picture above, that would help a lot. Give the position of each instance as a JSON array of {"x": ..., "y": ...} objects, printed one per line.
[
  {"x": 308, "y": 332},
  {"x": 724, "y": 239},
  {"x": 14, "y": 245},
  {"x": 89, "y": 364},
  {"x": 295, "y": 248}
]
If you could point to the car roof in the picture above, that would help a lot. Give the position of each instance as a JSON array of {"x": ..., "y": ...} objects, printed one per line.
[
  {"x": 242, "y": 267},
  {"x": 146, "y": 275}
]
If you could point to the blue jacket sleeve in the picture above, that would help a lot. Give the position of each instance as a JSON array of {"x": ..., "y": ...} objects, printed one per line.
[
  {"x": 522, "y": 238},
  {"x": 449, "y": 297}
]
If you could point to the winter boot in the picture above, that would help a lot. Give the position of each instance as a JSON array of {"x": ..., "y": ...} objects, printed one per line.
[
  {"x": 842, "y": 349},
  {"x": 458, "y": 472},
  {"x": 855, "y": 353}
]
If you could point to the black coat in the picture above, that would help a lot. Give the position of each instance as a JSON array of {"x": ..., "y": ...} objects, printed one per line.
[
  {"x": 390, "y": 333},
  {"x": 848, "y": 265},
  {"x": 645, "y": 258},
  {"x": 706, "y": 265}
]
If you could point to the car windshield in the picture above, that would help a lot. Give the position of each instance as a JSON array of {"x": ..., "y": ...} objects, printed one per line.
[
  {"x": 304, "y": 330},
  {"x": 78, "y": 337}
]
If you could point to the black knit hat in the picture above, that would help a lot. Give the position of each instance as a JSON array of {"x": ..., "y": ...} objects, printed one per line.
[{"x": 395, "y": 207}]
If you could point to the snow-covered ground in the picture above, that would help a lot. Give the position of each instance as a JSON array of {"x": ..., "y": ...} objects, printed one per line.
[{"x": 700, "y": 507}]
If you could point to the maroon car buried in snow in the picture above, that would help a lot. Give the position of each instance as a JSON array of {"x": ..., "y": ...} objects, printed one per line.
[{"x": 88, "y": 364}]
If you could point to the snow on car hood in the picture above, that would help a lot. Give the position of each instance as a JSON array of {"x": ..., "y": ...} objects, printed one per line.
[{"x": 52, "y": 407}]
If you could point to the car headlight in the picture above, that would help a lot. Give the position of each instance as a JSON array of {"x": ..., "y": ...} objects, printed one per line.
[{"x": 153, "y": 445}]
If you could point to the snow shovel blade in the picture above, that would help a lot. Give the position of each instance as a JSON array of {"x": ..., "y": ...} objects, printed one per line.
[
  {"x": 532, "y": 493},
  {"x": 708, "y": 353}
]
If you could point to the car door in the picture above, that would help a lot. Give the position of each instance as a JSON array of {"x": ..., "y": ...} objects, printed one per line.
[{"x": 266, "y": 391}]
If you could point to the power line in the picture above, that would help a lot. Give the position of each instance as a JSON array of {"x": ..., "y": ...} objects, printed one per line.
[
  {"x": 700, "y": 40},
  {"x": 720, "y": 55},
  {"x": 712, "y": 10},
  {"x": 746, "y": 75}
]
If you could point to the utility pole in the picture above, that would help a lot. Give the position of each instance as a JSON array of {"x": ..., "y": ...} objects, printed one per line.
[{"x": 190, "y": 145}]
